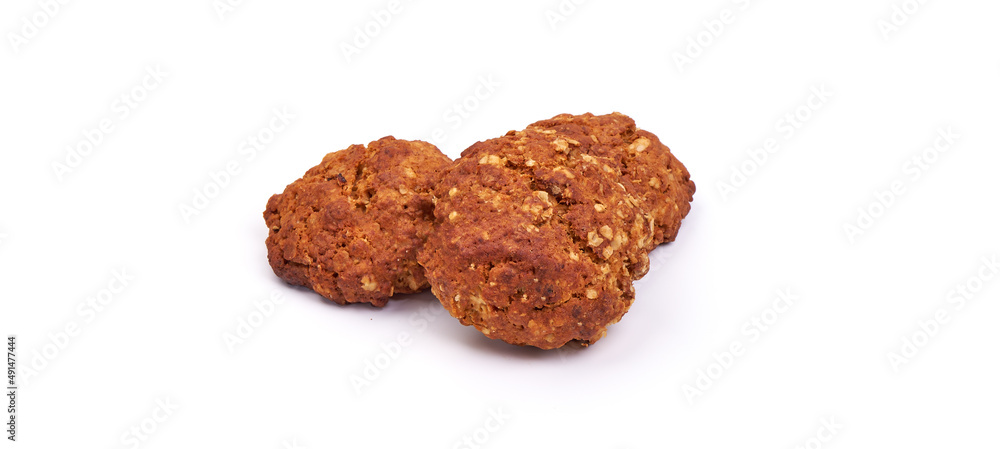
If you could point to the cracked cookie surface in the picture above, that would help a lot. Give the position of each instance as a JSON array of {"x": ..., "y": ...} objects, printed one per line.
[
  {"x": 350, "y": 228},
  {"x": 537, "y": 239}
]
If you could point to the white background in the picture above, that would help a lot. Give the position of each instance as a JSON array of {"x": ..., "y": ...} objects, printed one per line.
[{"x": 289, "y": 384}]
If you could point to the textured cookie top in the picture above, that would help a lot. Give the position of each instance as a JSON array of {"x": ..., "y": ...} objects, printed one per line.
[
  {"x": 537, "y": 241},
  {"x": 350, "y": 227},
  {"x": 650, "y": 171}
]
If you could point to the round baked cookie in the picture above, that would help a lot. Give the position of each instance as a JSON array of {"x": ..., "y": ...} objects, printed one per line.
[
  {"x": 536, "y": 242},
  {"x": 350, "y": 228},
  {"x": 651, "y": 171}
]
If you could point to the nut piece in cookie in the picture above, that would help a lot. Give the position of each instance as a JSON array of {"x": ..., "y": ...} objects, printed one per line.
[
  {"x": 537, "y": 241},
  {"x": 351, "y": 226}
]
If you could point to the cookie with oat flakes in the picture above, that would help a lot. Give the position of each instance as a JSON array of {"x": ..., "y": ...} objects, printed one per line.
[
  {"x": 535, "y": 242},
  {"x": 350, "y": 228}
]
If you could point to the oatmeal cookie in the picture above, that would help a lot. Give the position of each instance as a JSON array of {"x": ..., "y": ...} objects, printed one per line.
[
  {"x": 536, "y": 242},
  {"x": 351, "y": 226},
  {"x": 540, "y": 233}
]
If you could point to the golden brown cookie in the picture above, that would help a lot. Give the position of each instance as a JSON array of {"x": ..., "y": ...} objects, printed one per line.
[
  {"x": 540, "y": 233},
  {"x": 652, "y": 172},
  {"x": 351, "y": 226}
]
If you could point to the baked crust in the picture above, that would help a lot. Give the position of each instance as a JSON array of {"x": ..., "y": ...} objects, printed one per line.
[{"x": 654, "y": 173}]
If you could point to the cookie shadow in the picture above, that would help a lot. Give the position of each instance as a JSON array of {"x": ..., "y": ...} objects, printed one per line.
[
  {"x": 450, "y": 329},
  {"x": 353, "y": 307},
  {"x": 474, "y": 339}
]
